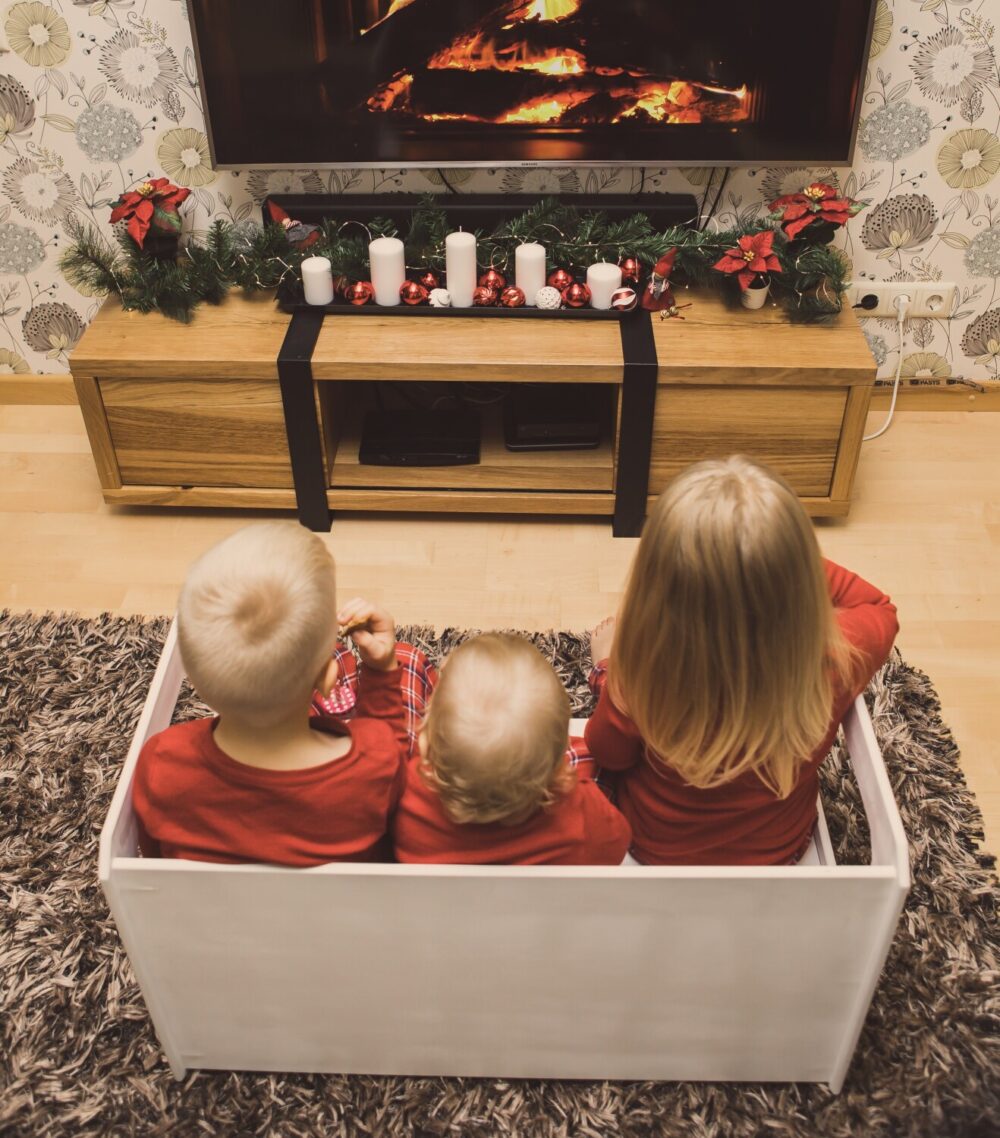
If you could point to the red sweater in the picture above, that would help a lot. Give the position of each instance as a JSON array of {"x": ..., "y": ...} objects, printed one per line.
[
  {"x": 193, "y": 801},
  {"x": 740, "y": 822},
  {"x": 581, "y": 828}
]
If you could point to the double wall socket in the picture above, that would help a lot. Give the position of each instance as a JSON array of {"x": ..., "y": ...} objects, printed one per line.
[{"x": 935, "y": 299}]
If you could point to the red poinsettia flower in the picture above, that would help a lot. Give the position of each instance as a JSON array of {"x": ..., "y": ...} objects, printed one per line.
[
  {"x": 817, "y": 202},
  {"x": 153, "y": 203},
  {"x": 753, "y": 254}
]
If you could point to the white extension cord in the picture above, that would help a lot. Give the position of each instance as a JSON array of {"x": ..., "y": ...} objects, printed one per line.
[{"x": 902, "y": 306}]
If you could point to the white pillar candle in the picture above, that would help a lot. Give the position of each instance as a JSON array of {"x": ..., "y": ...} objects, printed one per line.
[
  {"x": 602, "y": 280},
  {"x": 460, "y": 267},
  {"x": 529, "y": 270},
  {"x": 317, "y": 280},
  {"x": 388, "y": 269}
]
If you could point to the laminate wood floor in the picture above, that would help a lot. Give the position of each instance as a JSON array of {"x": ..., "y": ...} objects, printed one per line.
[{"x": 925, "y": 526}]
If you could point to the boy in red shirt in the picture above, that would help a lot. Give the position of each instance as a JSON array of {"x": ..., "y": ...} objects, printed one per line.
[
  {"x": 493, "y": 783},
  {"x": 264, "y": 780}
]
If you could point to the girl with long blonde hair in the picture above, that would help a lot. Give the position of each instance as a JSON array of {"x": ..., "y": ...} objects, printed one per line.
[{"x": 736, "y": 653}]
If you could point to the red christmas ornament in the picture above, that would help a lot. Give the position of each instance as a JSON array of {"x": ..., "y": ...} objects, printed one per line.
[
  {"x": 484, "y": 297},
  {"x": 361, "y": 292},
  {"x": 429, "y": 280},
  {"x": 576, "y": 296},
  {"x": 412, "y": 292},
  {"x": 631, "y": 269},
  {"x": 494, "y": 280},
  {"x": 624, "y": 299},
  {"x": 561, "y": 279},
  {"x": 512, "y": 297}
]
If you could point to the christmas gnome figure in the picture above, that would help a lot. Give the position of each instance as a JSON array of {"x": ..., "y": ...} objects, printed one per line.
[
  {"x": 299, "y": 234},
  {"x": 658, "y": 296}
]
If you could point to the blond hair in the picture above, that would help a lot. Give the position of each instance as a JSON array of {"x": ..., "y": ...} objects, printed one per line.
[
  {"x": 495, "y": 735},
  {"x": 256, "y": 620},
  {"x": 727, "y": 644}
]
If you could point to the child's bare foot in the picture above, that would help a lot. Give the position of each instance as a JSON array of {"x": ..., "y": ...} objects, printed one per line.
[{"x": 602, "y": 638}]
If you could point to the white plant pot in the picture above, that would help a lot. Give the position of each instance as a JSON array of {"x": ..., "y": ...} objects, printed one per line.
[{"x": 755, "y": 297}]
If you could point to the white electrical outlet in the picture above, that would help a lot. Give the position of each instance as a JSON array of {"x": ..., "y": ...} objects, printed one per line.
[{"x": 934, "y": 299}]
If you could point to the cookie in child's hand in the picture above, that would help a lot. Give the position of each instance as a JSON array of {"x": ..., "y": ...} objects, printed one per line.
[{"x": 353, "y": 626}]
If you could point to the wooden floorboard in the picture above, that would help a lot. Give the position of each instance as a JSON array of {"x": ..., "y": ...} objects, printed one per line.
[{"x": 925, "y": 526}]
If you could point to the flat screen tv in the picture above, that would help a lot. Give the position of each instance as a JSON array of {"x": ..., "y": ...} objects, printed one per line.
[{"x": 505, "y": 82}]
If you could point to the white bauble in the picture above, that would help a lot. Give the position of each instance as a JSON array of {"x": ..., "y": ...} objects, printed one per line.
[
  {"x": 548, "y": 297},
  {"x": 440, "y": 298}
]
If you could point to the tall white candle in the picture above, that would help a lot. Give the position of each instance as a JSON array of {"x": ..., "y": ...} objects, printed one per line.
[
  {"x": 388, "y": 267},
  {"x": 529, "y": 269},
  {"x": 602, "y": 280},
  {"x": 460, "y": 267},
  {"x": 317, "y": 280}
]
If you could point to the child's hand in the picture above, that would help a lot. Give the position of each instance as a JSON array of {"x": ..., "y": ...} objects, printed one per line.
[
  {"x": 373, "y": 630},
  {"x": 602, "y": 638}
]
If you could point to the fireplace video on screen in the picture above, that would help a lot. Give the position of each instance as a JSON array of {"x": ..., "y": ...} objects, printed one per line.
[{"x": 438, "y": 82}]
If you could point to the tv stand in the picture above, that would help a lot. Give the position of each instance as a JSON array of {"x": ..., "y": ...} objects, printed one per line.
[{"x": 196, "y": 415}]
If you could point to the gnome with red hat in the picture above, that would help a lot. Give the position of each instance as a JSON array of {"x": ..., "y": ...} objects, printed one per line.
[{"x": 658, "y": 296}]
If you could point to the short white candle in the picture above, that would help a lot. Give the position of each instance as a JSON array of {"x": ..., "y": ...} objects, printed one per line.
[
  {"x": 460, "y": 267},
  {"x": 529, "y": 270},
  {"x": 317, "y": 280},
  {"x": 388, "y": 269},
  {"x": 602, "y": 280}
]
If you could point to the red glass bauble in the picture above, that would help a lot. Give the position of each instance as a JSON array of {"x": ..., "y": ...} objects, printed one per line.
[
  {"x": 561, "y": 279},
  {"x": 412, "y": 292},
  {"x": 631, "y": 269},
  {"x": 576, "y": 296},
  {"x": 494, "y": 280},
  {"x": 429, "y": 280},
  {"x": 361, "y": 292},
  {"x": 483, "y": 297},
  {"x": 512, "y": 297},
  {"x": 624, "y": 299}
]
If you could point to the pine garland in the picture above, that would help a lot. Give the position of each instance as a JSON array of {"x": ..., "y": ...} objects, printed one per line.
[{"x": 810, "y": 285}]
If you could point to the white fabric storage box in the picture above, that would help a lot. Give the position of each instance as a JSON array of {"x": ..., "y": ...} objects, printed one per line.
[{"x": 718, "y": 973}]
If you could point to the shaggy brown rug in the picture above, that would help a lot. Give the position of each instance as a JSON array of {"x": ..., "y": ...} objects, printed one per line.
[{"x": 79, "y": 1057}]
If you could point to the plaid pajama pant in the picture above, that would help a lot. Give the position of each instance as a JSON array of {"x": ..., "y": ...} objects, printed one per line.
[{"x": 417, "y": 679}]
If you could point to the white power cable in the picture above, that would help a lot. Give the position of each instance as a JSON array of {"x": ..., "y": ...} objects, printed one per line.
[{"x": 902, "y": 305}]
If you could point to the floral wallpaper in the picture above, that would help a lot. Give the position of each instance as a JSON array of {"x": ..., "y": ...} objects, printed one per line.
[{"x": 98, "y": 95}]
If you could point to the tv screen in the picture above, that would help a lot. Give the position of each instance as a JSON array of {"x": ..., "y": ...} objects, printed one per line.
[{"x": 495, "y": 82}]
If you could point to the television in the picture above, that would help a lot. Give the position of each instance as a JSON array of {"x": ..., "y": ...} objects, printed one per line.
[{"x": 316, "y": 83}]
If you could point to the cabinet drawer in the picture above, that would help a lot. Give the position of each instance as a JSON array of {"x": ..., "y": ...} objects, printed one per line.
[
  {"x": 795, "y": 430},
  {"x": 198, "y": 432}
]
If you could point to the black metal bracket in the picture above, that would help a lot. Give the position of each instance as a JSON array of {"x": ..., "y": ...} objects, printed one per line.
[
  {"x": 635, "y": 434},
  {"x": 301, "y": 424}
]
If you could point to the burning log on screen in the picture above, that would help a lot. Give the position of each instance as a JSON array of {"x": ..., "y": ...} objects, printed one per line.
[{"x": 555, "y": 62}]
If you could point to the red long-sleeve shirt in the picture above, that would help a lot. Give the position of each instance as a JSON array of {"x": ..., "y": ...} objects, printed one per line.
[
  {"x": 740, "y": 822},
  {"x": 580, "y": 828},
  {"x": 194, "y": 801}
]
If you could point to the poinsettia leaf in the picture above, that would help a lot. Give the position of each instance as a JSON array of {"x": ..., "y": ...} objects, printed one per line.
[
  {"x": 167, "y": 219},
  {"x": 137, "y": 229}
]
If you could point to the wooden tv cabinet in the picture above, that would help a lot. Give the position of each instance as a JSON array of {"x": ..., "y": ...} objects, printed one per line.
[{"x": 192, "y": 415}]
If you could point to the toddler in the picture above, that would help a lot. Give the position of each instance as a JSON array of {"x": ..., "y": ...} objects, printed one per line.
[
  {"x": 736, "y": 654},
  {"x": 265, "y": 780},
  {"x": 493, "y": 782}
]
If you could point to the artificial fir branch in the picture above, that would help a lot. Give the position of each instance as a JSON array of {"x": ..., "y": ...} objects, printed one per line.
[{"x": 254, "y": 258}]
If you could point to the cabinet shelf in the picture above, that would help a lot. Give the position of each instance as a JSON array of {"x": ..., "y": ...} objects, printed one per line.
[{"x": 576, "y": 471}]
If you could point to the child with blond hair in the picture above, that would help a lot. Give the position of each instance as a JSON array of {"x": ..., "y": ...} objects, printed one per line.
[
  {"x": 494, "y": 782},
  {"x": 737, "y": 652},
  {"x": 266, "y": 780}
]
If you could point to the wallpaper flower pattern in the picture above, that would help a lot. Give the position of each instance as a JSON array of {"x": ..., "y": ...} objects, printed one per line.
[{"x": 98, "y": 95}]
